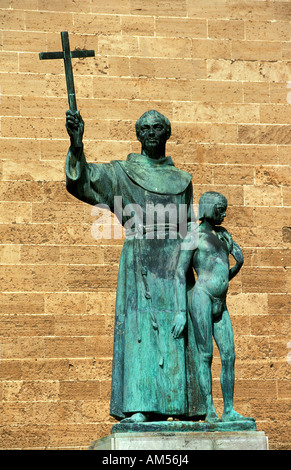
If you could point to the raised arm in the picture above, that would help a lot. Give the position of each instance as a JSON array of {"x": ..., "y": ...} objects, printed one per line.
[
  {"x": 90, "y": 182},
  {"x": 75, "y": 129}
]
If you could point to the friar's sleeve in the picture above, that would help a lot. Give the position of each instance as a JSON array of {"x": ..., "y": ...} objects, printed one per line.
[{"x": 90, "y": 182}]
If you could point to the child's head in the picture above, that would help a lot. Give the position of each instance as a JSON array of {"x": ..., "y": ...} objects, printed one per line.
[{"x": 212, "y": 205}]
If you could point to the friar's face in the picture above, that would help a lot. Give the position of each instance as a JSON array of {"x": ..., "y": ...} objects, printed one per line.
[{"x": 153, "y": 133}]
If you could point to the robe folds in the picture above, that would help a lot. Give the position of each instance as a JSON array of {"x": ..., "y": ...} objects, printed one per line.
[{"x": 152, "y": 372}]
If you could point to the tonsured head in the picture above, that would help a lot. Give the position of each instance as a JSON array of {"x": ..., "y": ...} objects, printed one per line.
[{"x": 153, "y": 130}]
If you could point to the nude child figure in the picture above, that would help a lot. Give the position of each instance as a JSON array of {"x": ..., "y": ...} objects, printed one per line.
[{"x": 208, "y": 247}]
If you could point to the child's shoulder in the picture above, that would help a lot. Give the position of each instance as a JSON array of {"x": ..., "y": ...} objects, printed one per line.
[
  {"x": 226, "y": 236},
  {"x": 190, "y": 241},
  {"x": 219, "y": 228}
]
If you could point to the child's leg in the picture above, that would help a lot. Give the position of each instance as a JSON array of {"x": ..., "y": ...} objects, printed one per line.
[
  {"x": 223, "y": 335},
  {"x": 201, "y": 314}
]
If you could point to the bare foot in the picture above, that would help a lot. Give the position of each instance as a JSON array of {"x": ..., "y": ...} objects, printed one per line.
[
  {"x": 135, "y": 418},
  {"x": 212, "y": 417},
  {"x": 234, "y": 416}
]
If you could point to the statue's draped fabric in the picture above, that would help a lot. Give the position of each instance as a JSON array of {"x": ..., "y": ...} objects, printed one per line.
[{"x": 152, "y": 371}]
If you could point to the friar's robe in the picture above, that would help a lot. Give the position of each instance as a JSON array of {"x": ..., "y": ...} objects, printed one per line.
[{"x": 152, "y": 371}]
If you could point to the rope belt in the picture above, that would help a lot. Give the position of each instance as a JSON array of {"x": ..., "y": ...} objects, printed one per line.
[{"x": 149, "y": 231}]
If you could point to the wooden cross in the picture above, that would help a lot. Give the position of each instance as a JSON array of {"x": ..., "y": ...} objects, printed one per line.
[{"x": 67, "y": 55}]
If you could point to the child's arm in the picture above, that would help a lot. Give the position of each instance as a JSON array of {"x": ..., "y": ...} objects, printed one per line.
[
  {"x": 234, "y": 250},
  {"x": 225, "y": 235},
  {"x": 188, "y": 246},
  {"x": 238, "y": 256}
]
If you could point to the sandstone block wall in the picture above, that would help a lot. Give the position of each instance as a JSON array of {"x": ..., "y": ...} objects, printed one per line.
[{"x": 219, "y": 70}]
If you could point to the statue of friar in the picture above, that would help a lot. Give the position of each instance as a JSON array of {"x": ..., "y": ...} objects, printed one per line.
[{"x": 153, "y": 375}]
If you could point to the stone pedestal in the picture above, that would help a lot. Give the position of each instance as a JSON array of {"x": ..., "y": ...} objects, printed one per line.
[
  {"x": 183, "y": 436},
  {"x": 184, "y": 441}
]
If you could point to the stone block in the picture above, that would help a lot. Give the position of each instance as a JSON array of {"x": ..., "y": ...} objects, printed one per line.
[
  {"x": 183, "y": 441},
  {"x": 184, "y": 436}
]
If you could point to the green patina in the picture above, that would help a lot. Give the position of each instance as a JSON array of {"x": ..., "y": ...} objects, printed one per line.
[{"x": 164, "y": 320}]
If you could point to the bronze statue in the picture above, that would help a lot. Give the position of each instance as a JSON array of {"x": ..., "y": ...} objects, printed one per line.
[
  {"x": 153, "y": 375},
  {"x": 164, "y": 321}
]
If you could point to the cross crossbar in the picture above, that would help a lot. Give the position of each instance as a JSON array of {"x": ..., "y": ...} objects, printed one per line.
[{"x": 60, "y": 55}]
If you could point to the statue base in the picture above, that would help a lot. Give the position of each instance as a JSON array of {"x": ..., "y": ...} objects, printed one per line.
[
  {"x": 185, "y": 426},
  {"x": 183, "y": 436}
]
